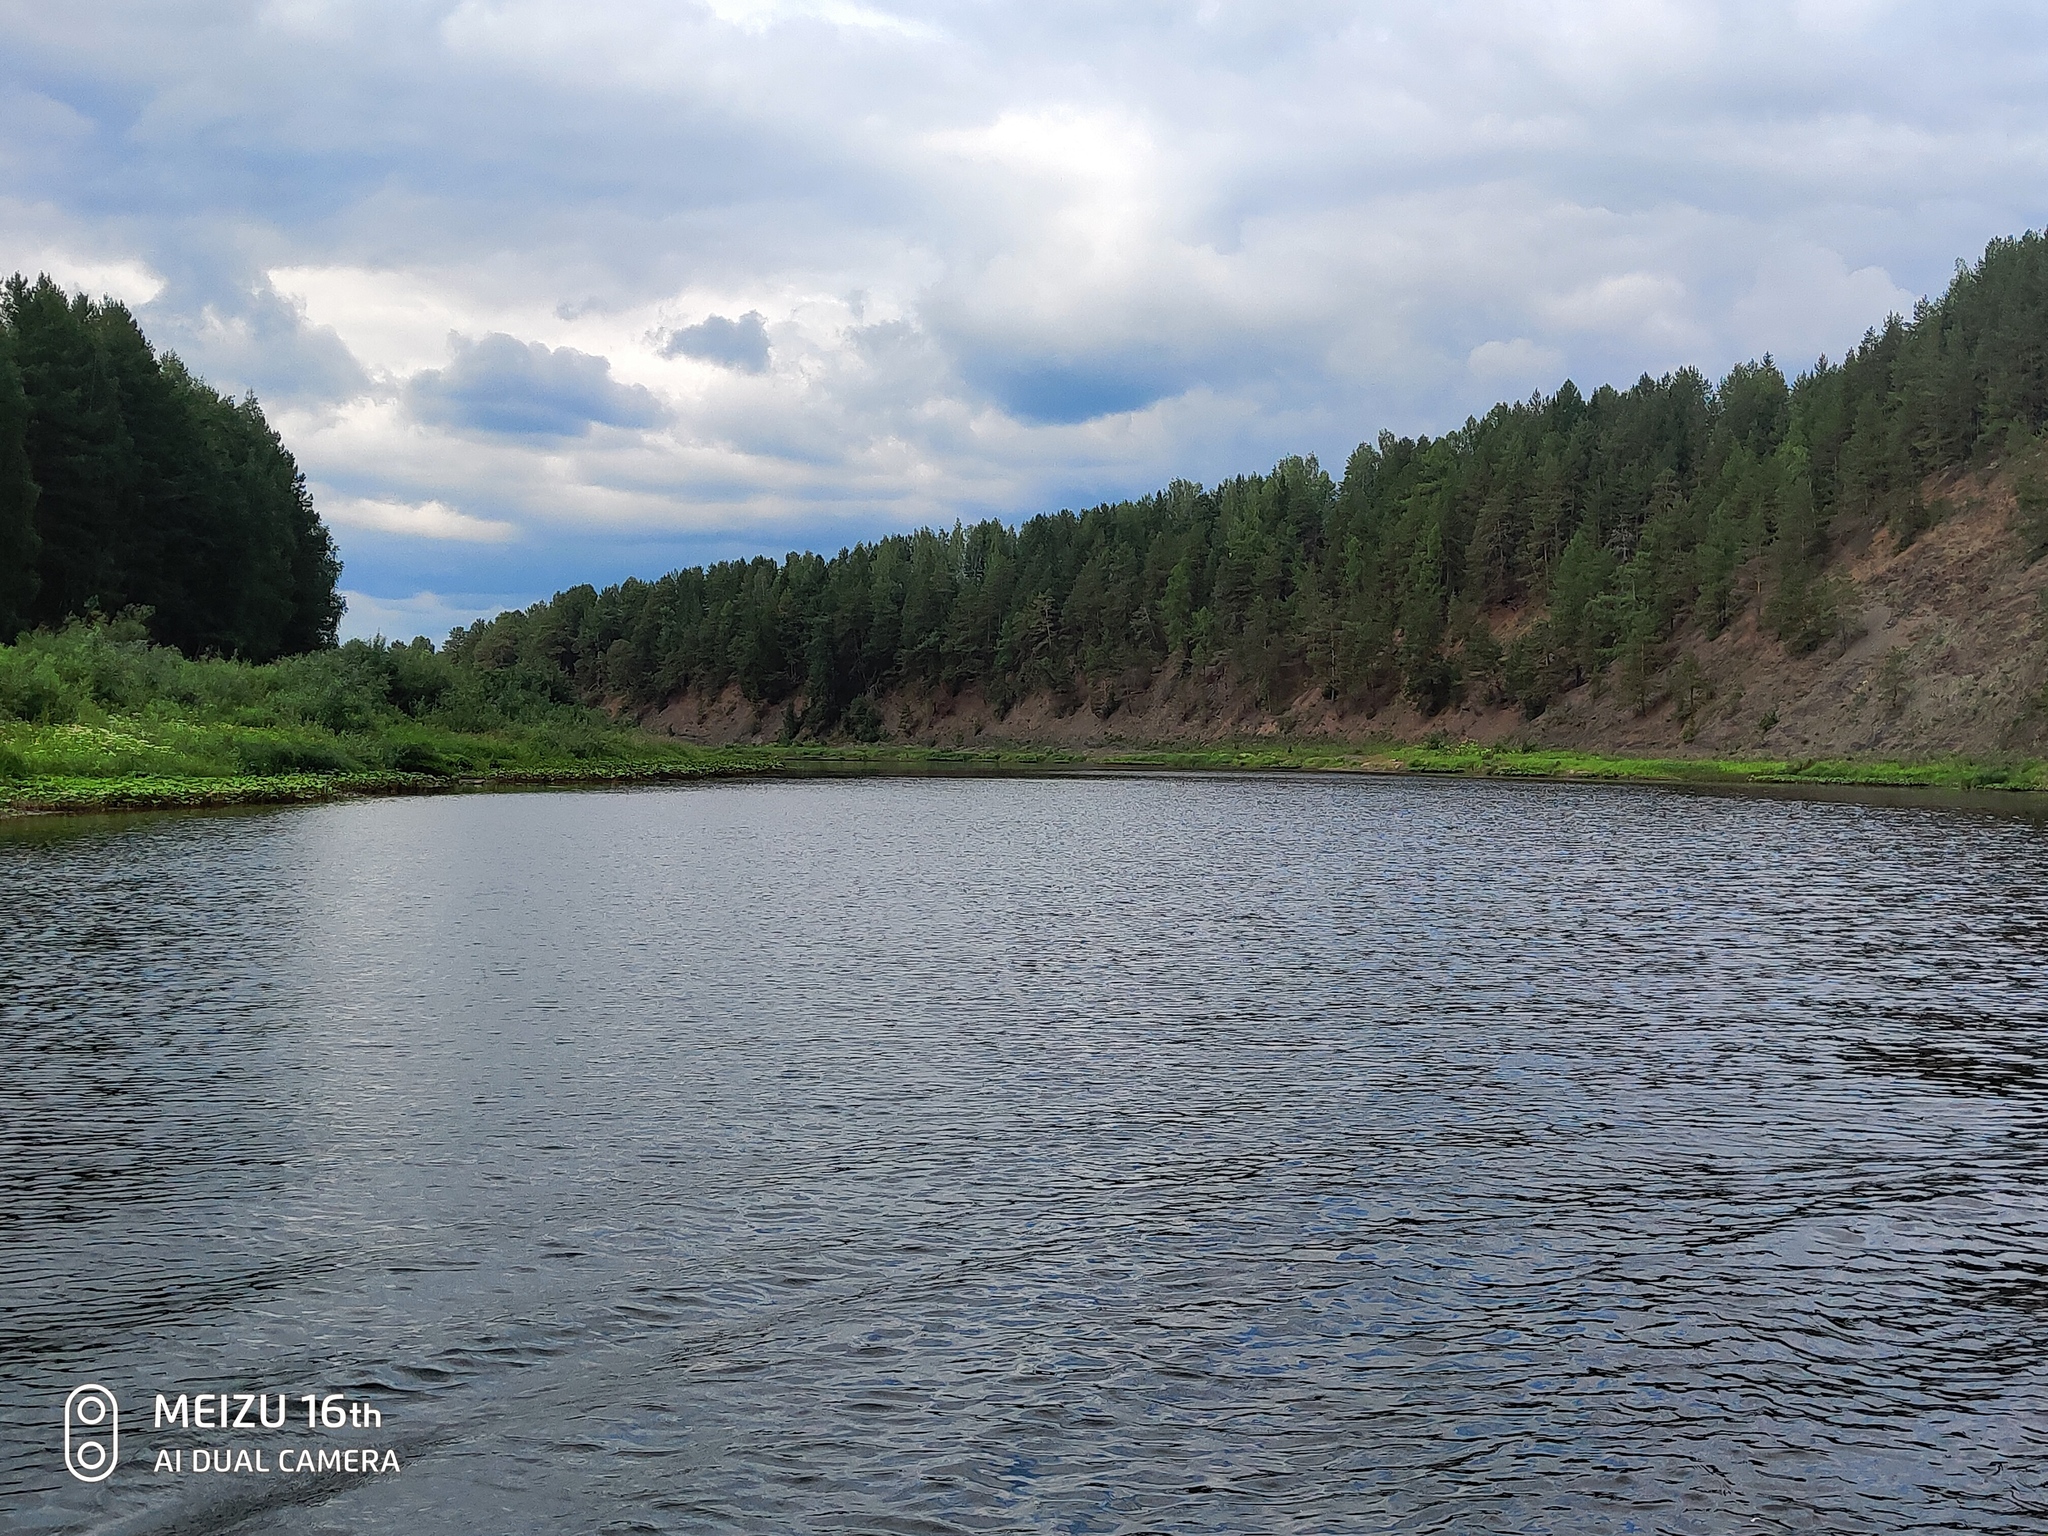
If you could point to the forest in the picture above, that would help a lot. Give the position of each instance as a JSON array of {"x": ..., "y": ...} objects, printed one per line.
[
  {"x": 1617, "y": 516},
  {"x": 1547, "y": 542},
  {"x": 126, "y": 484}
]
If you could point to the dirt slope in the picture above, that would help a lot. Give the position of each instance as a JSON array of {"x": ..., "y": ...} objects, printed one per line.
[{"x": 1944, "y": 650}]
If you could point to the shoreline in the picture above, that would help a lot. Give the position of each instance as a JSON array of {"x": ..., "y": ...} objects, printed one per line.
[{"x": 2020, "y": 786}]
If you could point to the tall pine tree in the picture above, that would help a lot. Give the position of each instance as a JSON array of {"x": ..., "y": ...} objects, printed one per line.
[
  {"x": 125, "y": 481},
  {"x": 19, "y": 544}
]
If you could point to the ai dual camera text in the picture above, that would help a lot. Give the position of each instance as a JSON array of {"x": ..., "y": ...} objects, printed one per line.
[{"x": 92, "y": 1433}]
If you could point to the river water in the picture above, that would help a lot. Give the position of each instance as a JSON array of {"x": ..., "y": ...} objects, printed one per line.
[{"x": 1089, "y": 1155}]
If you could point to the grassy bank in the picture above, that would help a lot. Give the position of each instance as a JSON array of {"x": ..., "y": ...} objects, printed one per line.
[
  {"x": 42, "y": 794},
  {"x": 97, "y": 719},
  {"x": 1470, "y": 760},
  {"x": 109, "y": 768}
]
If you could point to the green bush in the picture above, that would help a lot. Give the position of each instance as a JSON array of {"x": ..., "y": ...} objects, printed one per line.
[
  {"x": 96, "y": 700},
  {"x": 2032, "y": 497},
  {"x": 416, "y": 757},
  {"x": 863, "y": 720},
  {"x": 270, "y": 754},
  {"x": 32, "y": 688},
  {"x": 1806, "y": 610}
]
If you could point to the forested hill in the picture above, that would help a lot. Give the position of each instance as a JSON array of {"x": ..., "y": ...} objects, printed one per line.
[
  {"x": 1538, "y": 546},
  {"x": 125, "y": 481}
]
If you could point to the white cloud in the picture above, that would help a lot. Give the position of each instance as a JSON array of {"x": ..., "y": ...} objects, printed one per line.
[
  {"x": 1515, "y": 364},
  {"x": 421, "y": 520},
  {"x": 431, "y": 614},
  {"x": 394, "y": 322},
  {"x": 1650, "y": 308},
  {"x": 124, "y": 278},
  {"x": 1805, "y": 301},
  {"x": 1834, "y": 17},
  {"x": 760, "y": 15},
  {"x": 969, "y": 260}
]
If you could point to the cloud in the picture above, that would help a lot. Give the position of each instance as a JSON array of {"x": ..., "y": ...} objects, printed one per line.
[
  {"x": 1017, "y": 257},
  {"x": 1806, "y": 301},
  {"x": 740, "y": 344},
  {"x": 256, "y": 338},
  {"x": 422, "y": 520},
  {"x": 1515, "y": 364},
  {"x": 127, "y": 279},
  {"x": 431, "y": 614},
  {"x": 1648, "y": 309},
  {"x": 524, "y": 389},
  {"x": 1061, "y": 393},
  {"x": 760, "y": 15}
]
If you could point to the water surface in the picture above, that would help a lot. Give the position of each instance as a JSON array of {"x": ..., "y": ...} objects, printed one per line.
[{"x": 1177, "y": 1153}]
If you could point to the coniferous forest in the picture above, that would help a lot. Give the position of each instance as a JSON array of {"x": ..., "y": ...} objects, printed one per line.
[
  {"x": 1617, "y": 516},
  {"x": 125, "y": 483},
  {"x": 1602, "y": 522}
]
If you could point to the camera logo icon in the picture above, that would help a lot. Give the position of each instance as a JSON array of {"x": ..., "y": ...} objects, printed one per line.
[{"x": 92, "y": 1433}]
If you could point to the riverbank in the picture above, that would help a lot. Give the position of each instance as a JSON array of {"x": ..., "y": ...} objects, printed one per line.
[
  {"x": 146, "y": 792},
  {"x": 104, "y": 779}
]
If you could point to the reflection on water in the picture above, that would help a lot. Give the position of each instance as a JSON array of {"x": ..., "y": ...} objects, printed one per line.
[{"x": 1096, "y": 1155}]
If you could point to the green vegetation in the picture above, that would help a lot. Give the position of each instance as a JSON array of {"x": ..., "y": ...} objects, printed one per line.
[
  {"x": 1615, "y": 517},
  {"x": 95, "y": 717},
  {"x": 127, "y": 483},
  {"x": 129, "y": 488},
  {"x": 1471, "y": 760},
  {"x": 2030, "y": 494}
]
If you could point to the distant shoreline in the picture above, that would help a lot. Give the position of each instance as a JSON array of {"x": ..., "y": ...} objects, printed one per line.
[{"x": 2013, "y": 785}]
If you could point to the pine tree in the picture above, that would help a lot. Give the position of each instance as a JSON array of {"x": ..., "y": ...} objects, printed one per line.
[
  {"x": 126, "y": 481},
  {"x": 78, "y": 450},
  {"x": 19, "y": 544}
]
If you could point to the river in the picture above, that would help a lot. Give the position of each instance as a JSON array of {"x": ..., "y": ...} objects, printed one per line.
[{"x": 1085, "y": 1154}]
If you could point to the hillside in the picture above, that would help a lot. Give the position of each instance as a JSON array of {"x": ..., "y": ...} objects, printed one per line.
[
  {"x": 1833, "y": 561},
  {"x": 1941, "y": 648}
]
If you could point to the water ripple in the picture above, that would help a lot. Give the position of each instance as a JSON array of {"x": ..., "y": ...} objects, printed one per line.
[{"x": 1093, "y": 1155}]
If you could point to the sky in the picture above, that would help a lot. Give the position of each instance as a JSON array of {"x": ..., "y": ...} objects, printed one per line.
[{"x": 541, "y": 293}]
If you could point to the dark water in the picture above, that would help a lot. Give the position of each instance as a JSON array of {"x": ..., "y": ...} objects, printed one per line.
[{"x": 1091, "y": 1155}]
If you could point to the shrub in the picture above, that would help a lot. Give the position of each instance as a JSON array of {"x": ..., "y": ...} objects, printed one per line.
[
  {"x": 417, "y": 757},
  {"x": 1892, "y": 686},
  {"x": 270, "y": 753},
  {"x": 32, "y": 688},
  {"x": 1807, "y": 610},
  {"x": 2032, "y": 497},
  {"x": 863, "y": 720},
  {"x": 1535, "y": 671}
]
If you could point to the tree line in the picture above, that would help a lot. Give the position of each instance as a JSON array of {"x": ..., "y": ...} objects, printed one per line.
[
  {"x": 1617, "y": 516},
  {"x": 126, "y": 483}
]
